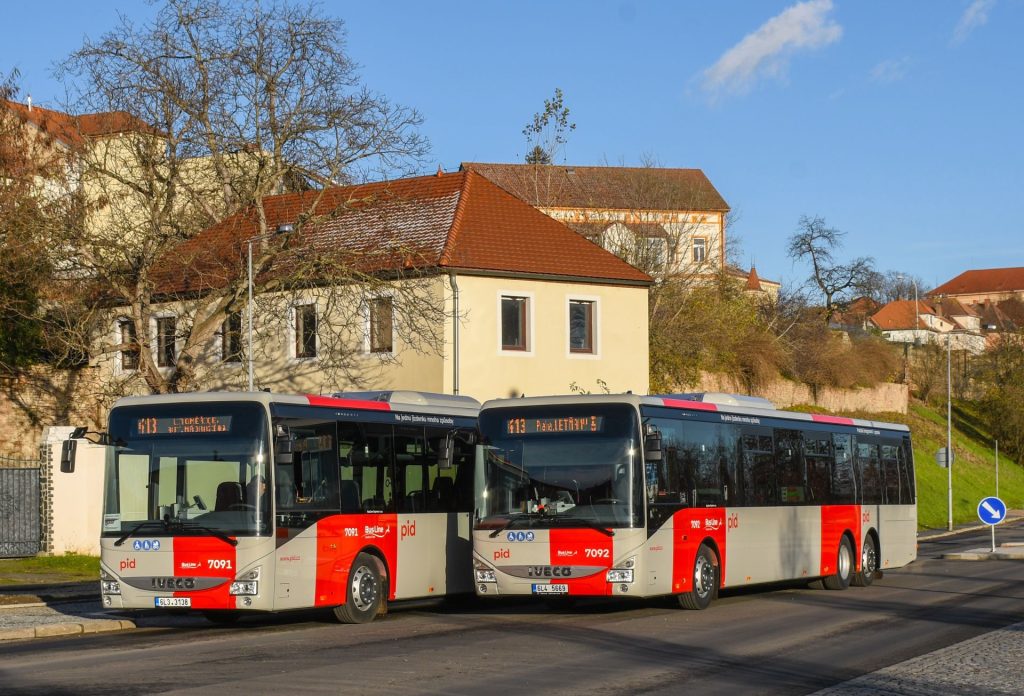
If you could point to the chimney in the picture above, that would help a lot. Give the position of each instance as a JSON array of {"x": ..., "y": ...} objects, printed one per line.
[
  {"x": 28, "y": 102},
  {"x": 440, "y": 170}
]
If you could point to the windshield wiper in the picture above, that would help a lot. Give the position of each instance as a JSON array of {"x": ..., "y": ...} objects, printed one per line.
[
  {"x": 530, "y": 516},
  {"x": 212, "y": 532},
  {"x": 141, "y": 525},
  {"x": 513, "y": 520}
]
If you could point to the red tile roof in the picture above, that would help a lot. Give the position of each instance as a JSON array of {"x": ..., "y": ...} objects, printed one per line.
[
  {"x": 989, "y": 280},
  {"x": 901, "y": 314},
  {"x": 607, "y": 188},
  {"x": 73, "y": 130},
  {"x": 458, "y": 221}
]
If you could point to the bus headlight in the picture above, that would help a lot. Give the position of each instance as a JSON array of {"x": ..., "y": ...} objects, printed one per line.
[
  {"x": 483, "y": 572},
  {"x": 622, "y": 573},
  {"x": 247, "y": 583},
  {"x": 108, "y": 585}
]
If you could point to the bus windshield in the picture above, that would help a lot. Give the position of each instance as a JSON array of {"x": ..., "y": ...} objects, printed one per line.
[
  {"x": 189, "y": 468},
  {"x": 555, "y": 466}
]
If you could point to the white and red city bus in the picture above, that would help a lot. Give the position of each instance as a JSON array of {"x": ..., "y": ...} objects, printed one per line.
[
  {"x": 225, "y": 502},
  {"x": 638, "y": 496}
]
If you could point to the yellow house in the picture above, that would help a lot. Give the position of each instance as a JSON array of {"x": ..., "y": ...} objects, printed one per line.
[{"x": 516, "y": 302}]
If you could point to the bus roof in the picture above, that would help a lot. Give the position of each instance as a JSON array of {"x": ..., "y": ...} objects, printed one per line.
[
  {"x": 396, "y": 401},
  {"x": 710, "y": 401}
]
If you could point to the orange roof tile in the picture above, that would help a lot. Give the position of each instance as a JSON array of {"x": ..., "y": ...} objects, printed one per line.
[
  {"x": 458, "y": 221},
  {"x": 610, "y": 188},
  {"x": 989, "y": 280},
  {"x": 72, "y": 130},
  {"x": 901, "y": 314}
]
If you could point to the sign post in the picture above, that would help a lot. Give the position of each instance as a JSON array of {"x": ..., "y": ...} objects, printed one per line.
[{"x": 992, "y": 511}]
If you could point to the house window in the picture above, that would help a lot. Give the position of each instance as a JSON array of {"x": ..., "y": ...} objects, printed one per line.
[
  {"x": 657, "y": 252},
  {"x": 513, "y": 323},
  {"x": 700, "y": 249},
  {"x": 382, "y": 321},
  {"x": 129, "y": 356},
  {"x": 581, "y": 326},
  {"x": 231, "y": 338},
  {"x": 305, "y": 331},
  {"x": 166, "y": 334}
]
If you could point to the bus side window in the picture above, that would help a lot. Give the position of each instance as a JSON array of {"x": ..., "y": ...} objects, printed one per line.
[
  {"x": 870, "y": 472},
  {"x": 844, "y": 480},
  {"x": 670, "y": 485}
]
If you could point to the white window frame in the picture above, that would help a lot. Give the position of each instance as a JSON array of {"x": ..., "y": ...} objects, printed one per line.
[
  {"x": 293, "y": 356},
  {"x": 703, "y": 247},
  {"x": 119, "y": 368},
  {"x": 367, "y": 337},
  {"x": 241, "y": 341},
  {"x": 595, "y": 318},
  {"x": 531, "y": 312},
  {"x": 154, "y": 342}
]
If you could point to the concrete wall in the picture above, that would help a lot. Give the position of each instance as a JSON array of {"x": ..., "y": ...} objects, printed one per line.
[
  {"x": 76, "y": 500},
  {"x": 881, "y": 398}
]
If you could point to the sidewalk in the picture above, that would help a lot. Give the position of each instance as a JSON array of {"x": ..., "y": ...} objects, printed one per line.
[{"x": 43, "y": 611}]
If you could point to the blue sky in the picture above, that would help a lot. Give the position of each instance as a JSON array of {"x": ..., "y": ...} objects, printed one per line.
[{"x": 900, "y": 123}]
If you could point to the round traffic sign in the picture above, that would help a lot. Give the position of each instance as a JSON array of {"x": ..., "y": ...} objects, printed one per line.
[{"x": 991, "y": 510}]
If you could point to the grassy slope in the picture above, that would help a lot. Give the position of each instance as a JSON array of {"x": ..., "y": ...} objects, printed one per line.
[
  {"x": 973, "y": 467},
  {"x": 49, "y": 569}
]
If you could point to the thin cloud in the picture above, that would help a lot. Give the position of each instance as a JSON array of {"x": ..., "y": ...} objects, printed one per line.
[
  {"x": 974, "y": 16},
  {"x": 889, "y": 71},
  {"x": 765, "y": 53}
]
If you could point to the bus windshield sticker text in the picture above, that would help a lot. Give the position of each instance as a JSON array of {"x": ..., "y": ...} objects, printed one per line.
[
  {"x": 563, "y": 424},
  {"x": 182, "y": 425}
]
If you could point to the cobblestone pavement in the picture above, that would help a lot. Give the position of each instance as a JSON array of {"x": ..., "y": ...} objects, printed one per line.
[{"x": 986, "y": 665}]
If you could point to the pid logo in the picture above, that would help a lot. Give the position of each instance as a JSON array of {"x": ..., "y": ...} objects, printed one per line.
[
  {"x": 520, "y": 536},
  {"x": 408, "y": 529}
]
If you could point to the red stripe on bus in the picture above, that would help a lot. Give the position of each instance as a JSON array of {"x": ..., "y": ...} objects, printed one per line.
[
  {"x": 339, "y": 538},
  {"x": 206, "y": 557},
  {"x": 834, "y": 420},
  {"x": 582, "y": 547},
  {"x": 835, "y": 521},
  {"x": 334, "y": 402},
  {"x": 692, "y": 405}
]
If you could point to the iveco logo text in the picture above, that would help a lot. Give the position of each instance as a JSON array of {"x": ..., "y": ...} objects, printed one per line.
[
  {"x": 549, "y": 572},
  {"x": 173, "y": 583},
  {"x": 520, "y": 536}
]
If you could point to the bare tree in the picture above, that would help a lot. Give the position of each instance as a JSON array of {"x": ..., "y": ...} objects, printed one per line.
[
  {"x": 548, "y": 132},
  {"x": 814, "y": 243},
  {"x": 216, "y": 106}
]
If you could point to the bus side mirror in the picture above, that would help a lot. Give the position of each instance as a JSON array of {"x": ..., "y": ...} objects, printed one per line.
[
  {"x": 284, "y": 451},
  {"x": 447, "y": 452},
  {"x": 652, "y": 447},
  {"x": 67, "y": 456}
]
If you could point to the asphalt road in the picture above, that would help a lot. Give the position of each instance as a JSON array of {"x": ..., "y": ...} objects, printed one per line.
[{"x": 778, "y": 640}]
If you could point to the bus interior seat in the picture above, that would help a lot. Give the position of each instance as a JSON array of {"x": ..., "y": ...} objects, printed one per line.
[
  {"x": 444, "y": 493},
  {"x": 350, "y": 500},
  {"x": 229, "y": 494}
]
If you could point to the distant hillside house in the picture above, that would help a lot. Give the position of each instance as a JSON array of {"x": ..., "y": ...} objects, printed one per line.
[
  {"x": 996, "y": 295},
  {"x": 931, "y": 321},
  {"x": 668, "y": 222},
  {"x": 528, "y": 305}
]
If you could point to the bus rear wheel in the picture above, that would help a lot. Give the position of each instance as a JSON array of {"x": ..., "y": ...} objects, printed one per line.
[
  {"x": 363, "y": 595},
  {"x": 705, "y": 581},
  {"x": 840, "y": 580},
  {"x": 868, "y": 563}
]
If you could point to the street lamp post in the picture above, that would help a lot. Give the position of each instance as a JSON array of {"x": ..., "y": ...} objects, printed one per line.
[
  {"x": 281, "y": 229},
  {"x": 949, "y": 427}
]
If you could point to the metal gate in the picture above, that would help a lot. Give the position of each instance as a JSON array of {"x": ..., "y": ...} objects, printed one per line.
[{"x": 20, "y": 528}]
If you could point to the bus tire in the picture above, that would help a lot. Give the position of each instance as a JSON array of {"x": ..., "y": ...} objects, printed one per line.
[
  {"x": 705, "y": 581},
  {"x": 868, "y": 562},
  {"x": 840, "y": 580},
  {"x": 363, "y": 594}
]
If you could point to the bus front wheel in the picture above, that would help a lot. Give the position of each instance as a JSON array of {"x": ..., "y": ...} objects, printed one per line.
[
  {"x": 363, "y": 596},
  {"x": 705, "y": 581},
  {"x": 868, "y": 563},
  {"x": 840, "y": 580}
]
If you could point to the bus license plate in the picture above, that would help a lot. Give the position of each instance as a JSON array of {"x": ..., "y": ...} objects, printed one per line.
[
  {"x": 173, "y": 602},
  {"x": 554, "y": 588}
]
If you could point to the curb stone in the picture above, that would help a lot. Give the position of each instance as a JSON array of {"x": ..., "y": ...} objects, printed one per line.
[{"x": 67, "y": 629}]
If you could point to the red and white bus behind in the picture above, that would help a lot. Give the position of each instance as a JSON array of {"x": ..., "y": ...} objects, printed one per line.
[
  {"x": 637, "y": 496},
  {"x": 224, "y": 502}
]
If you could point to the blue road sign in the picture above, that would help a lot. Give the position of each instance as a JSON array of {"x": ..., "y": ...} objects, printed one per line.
[{"x": 991, "y": 510}]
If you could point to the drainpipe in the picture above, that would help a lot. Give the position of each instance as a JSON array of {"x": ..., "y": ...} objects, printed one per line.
[{"x": 455, "y": 332}]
